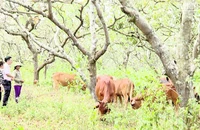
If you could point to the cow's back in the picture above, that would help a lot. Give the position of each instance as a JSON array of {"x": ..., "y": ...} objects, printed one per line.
[
  {"x": 105, "y": 88},
  {"x": 63, "y": 78},
  {"x": 123, "y": 86}
]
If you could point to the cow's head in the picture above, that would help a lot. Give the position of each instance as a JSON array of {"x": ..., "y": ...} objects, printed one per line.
[
  {"x": 84, "y": 87},
  {"x": 103, "y": 108},
  {"x": 136, "y": 102},
  {"x": 196, "y": 95}
]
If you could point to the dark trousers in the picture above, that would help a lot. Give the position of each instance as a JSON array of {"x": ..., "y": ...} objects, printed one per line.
[{"x": 7, "y": 89}]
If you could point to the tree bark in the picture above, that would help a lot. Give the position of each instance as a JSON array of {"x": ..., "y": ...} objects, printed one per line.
[
  {"x": 35, "y": 64},
  {"x": 184, "y": 84},
  {"x": 92, "y": 63},
  {"x": 45, "y": 71},
  {"x": 93, "y": 73},
  {"x": 126, "y": 59}
]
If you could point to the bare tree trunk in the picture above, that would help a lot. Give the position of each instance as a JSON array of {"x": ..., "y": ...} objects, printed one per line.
[
  {"x": 91, "y": 62},
  {"x": 35, "y": 64},
  {"x": 45, "y": 71},
  {"x": 93, "y": 73},
  {"x": 184, "y": 84},
  {"x": 126, "y": 59}
]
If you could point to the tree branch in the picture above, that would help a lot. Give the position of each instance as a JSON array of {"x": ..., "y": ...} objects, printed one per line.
[
  {"x": 110, "y": 27},
  {"x": 66, "y": 30},
  {"x": 49, "y": 60},
  {"x": 29, "y": 8},
  {"x": 100, "y": 15},
  {"x": 80, "y": 18},
  {"x": 62, "y": 27},
  {"x": 160, "y": 49}
]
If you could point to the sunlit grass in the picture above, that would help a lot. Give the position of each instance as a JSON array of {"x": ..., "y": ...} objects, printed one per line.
[{"x": 41, "y": 107}]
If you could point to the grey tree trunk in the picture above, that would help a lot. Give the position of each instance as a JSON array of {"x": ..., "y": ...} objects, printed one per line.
[
  {"x": 183, "y": 83},
  {"x": 92, "y": 83},
  {"x": 35, "y": 64},
  {"x": 45, "y": 71}
]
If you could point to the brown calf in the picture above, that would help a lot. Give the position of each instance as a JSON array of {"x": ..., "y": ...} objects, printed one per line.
[
  {"x": 123, "y": 88},
  {"x": 65, "y": 79}
]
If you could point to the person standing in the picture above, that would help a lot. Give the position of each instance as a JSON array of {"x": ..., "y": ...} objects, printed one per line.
[
  {"x": 18, "y": 81},
  {"x": 1, "y": 78},
  {"x": 7, "y": 79}
]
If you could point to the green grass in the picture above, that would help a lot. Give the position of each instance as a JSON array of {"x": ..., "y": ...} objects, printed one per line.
[{"x": 43, "y": 108}]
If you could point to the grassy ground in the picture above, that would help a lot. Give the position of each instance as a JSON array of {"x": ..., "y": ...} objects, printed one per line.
[{"x": 42, "y": 108}]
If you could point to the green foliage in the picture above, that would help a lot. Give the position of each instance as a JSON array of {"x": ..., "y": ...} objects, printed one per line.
[{"x": 41, "y": 107}]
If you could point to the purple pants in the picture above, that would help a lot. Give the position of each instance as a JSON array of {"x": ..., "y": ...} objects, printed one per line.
[{"x": 17, "y": 90}]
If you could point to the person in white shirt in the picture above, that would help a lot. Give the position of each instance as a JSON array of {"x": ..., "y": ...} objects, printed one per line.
[{"x": 7, "y": 79}]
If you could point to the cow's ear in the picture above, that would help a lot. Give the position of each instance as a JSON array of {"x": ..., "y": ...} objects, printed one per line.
[
  {"x": 167, "y": 78},
  {"x": 97, "y": 106},
  {"x": 97, "y": 78}
]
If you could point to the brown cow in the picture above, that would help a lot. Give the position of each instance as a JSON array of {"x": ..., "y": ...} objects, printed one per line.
[
  {"x": 123, "y": 88},
  {"x": 166, "y": 82},
  {"x": 65, "y": 79},
  {"x": 170, "y": 91},
  {"x": 105, "y": 92},
  {"x": 167, "y": 87}
]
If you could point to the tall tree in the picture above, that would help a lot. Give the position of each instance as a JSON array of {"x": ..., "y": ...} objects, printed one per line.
[
  {"x": 93, "y": 54},
  {"x": 184, "y": 67}
]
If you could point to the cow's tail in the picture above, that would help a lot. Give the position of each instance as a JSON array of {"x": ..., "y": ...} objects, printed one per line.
[{"x": 131, "y": 91}]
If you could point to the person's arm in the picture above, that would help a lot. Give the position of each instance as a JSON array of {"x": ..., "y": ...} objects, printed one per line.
[
  {"x": 9, "y": 75},
  {"x": 1, "y": 78},
  {"x": 1, "y": 81}
]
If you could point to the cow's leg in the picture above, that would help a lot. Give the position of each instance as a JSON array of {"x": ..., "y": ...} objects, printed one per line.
[
  {"x": 175, "y": 103},
  {"x": 55, "y": 84},
  {"x": 120, "y": 99},
  {"x": 68, "y": 87},
  {"x": 126, "y": 100},
  {"x": 115, "y": 99}
]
